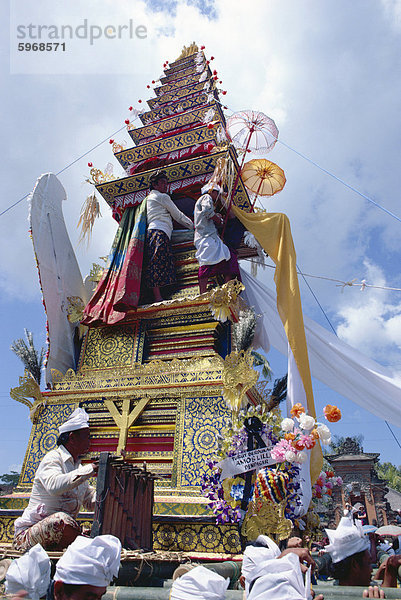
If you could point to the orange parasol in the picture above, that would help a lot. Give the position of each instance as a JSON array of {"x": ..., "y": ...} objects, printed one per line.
[{"x": 263, "y": 177}]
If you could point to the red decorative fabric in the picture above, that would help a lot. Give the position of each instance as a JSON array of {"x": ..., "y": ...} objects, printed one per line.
[
  {"x": 224, "y": 267},
  {"x": 119, "y": 288},
  {"x": 170, "y": 157}
]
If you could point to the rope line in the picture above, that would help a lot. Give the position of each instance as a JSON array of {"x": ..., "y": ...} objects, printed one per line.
[
  {"x": 66, "y": 167},
  {"x": 354, "y": 283},
  {"x": 317, "y": 301},
  {"x": 341, "y": 181}
]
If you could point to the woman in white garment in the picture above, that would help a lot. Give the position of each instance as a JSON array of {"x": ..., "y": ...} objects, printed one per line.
[{"x": 213, "y": 255}]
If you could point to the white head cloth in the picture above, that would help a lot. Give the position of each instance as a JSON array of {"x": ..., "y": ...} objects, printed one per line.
[
  {"x": 346, "y": 540},
  {"x": 199, "y": 584},
  {"x": 79, "y": 419},
  {"x": 255, "y": 555},
  {"x": 209, "y": 187},
  {"x": 90, "y": 561},
  {"x": 282, "y": 579},
  {"x": 31, "y": 573}
]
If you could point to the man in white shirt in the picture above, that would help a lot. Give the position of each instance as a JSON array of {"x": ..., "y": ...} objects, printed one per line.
[
  {"x": 59, "y": 490},
  {"x": 160, "y": 212}
]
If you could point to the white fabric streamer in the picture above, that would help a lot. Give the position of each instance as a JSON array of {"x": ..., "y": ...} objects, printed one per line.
[
  {"x": 209, "y": 116},
  {"x": 341, "y": 367}
]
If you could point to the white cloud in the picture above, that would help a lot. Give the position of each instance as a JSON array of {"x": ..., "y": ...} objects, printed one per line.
[{"x": 371, "y": 322}]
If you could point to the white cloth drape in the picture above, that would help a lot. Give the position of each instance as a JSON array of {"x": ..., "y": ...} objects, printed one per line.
[
  {"x": 341, "y": 367},
  {"x": 59, "y": 272}
]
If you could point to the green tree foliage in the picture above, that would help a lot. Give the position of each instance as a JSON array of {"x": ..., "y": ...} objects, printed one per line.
[
  {"x": 261, "y": 361},
  {"x": 31, "y": 358},
  {"x": 339, "y": 443},
  {"x": 9, "y": 478},
  {"x": 391, "y": 474}
]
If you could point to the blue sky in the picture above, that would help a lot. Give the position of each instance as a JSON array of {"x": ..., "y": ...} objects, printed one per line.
[{"x": 328, "y": 74}]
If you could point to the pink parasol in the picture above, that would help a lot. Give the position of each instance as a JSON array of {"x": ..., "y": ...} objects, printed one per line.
[{"x": 251, "y": 129}]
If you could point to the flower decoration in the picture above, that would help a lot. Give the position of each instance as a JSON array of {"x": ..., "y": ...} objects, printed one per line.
[
  {"x": 306, "y": 422},
  {"x": 323, "y": 487},
  {"x": 287, "y": 424},
  {"x": 289, "y": 441},
  {"x": 324, "y": 434},
  {"x": 297, "y": 410},
  {"x": 332, "y": 413}
]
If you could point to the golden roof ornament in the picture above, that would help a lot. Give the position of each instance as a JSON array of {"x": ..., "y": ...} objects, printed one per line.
[
  {"x": 238, "y": 377},
  {"x": 188, "y": 50},
  {"x": 223, "y": 300},
  {"x": 28, "y": 388}
]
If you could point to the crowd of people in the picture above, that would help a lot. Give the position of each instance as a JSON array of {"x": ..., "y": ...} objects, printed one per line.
[{"x": 88, "y": 565}]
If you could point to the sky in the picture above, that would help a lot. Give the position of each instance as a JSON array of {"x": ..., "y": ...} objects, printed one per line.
[{"x": 326, "y": 71}]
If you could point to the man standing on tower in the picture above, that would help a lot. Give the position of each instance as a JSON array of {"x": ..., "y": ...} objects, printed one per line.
[
  {"x": 160, "y": 211},
  {"x": 59, "y": 490}
]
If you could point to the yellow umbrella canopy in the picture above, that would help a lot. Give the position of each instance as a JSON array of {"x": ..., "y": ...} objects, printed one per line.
[{"x": 263, "y": 177}]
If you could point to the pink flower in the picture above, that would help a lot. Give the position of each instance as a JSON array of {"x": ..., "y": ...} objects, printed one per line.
[
  {"x": 339, "y": 481},
  {"x": 329, "y": 485},
  {"x": 307, "y": 441},
  {"x": 278, "y": 454},
  {"x": 279, "y": 450}
]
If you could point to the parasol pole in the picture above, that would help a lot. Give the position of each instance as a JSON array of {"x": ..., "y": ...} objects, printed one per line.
[
  {"x": 252, "y": 129},
  {"x": 257, "y": 193}
]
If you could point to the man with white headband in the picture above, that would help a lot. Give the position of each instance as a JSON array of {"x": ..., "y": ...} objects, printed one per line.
[
  {"x": 282, "y": 578},
  {"x": 264, "y": 548},
  {"x": 84, "y": 571},
  {"x": 59, "y": 490},
  {"x": 199, "y": 584},
  {"x": 86, "y": 568},
  {"x": 214, "y": 257},
  {"x": 349, "y": 551}
]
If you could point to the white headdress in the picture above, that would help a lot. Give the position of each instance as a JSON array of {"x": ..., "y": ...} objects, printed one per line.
[
  {"x": 30, "y": 572},
  {"x": 281, "y": 579},
  {"x": 255, "y": 555},
  {"x": 211, "y": 186},
  {"x": 79, "y": 419},
  {"x": 346, "y": 540},
  {"x": 199, "y": 584},
  {"x": 90, "y": 561}
]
